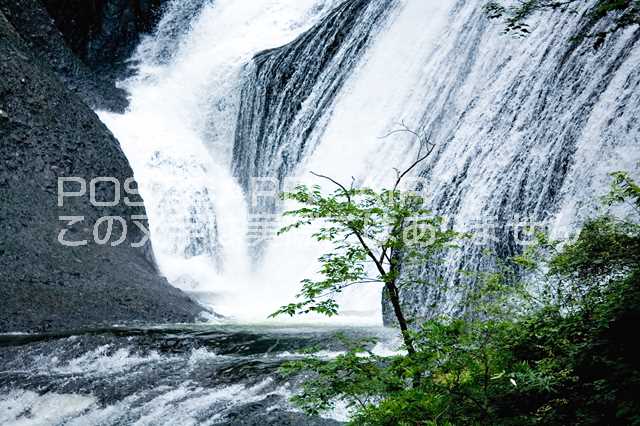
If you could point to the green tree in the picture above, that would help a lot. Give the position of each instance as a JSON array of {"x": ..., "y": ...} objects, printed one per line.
[
  {"x": 385, "y": 231},
  {"x": 568, "y": 358}
]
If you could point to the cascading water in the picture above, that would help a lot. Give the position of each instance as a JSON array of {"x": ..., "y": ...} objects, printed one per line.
[
  {"x": 526, "y": 129},
  {"x": 178, "y": 135},
  {"x": 280, "y": 88},
  {"x": 180, "y": 130},
  {"x": 228, "y": 90},
  {"x": 348, "y": 144}
]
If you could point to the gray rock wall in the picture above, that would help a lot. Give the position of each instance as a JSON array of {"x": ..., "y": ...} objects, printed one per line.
[{"x": 46, "y": 132}]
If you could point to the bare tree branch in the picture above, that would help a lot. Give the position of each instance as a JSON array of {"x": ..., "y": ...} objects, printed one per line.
[
  {"x": 403, "y": 129},
  {"x": 424, "y": 142},
  {"x": 413, "y": 166},
  {"x": 344, "y": 189}
]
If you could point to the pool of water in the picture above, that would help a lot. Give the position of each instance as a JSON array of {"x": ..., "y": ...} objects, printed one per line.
[{"x": 165, "y": 375}]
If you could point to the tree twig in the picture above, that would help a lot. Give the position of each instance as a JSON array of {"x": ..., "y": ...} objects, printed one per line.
[
  {"x": 422, "y": 139},
  {"x": 344, "y": 188}
]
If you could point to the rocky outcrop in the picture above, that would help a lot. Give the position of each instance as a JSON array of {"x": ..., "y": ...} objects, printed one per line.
[
  {"x": 48, "y": 132},
  {"x": 86, "y": 42},
  {"x": 104, "y": 33}
]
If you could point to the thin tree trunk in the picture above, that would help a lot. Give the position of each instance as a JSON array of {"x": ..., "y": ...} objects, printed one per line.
[{"x": 394, "y": 296}]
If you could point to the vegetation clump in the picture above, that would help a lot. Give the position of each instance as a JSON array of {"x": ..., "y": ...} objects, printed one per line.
[
  {"x": 621, "y": 14},
  {"x": 560, "y": 354}
]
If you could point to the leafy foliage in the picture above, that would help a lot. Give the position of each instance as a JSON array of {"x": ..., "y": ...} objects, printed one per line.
[
  {"x": 366, "y": 228},
  {"x": 386, "y": 231},
  {"x": 565, "y": 359},
  {"x": 624, "y": 13}
]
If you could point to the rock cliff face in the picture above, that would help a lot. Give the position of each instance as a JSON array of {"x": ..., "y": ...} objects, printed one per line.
[
  {"x": 86, "y": 42},
  {"x": 47, "y": 132},
  {"x": 104, "y": 33}
]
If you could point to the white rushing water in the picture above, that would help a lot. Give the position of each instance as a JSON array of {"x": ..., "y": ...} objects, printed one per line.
[
  {"x": 178, "y": 134},
  {"x": 203, "y": 375},
  {"x": 525, "y": 128},
  {"x": 373, "y": 102}
]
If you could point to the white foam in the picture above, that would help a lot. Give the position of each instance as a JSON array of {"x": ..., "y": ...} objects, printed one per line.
[
  {"x": 178, "y": 135},
  {"x": 21, "y": 407}
]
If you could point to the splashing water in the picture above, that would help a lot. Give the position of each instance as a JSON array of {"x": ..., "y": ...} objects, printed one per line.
[
  {"x": 179, "y": 132},
  {"x": 524, "y": 128},
  {"x": 178, "y": 136}
]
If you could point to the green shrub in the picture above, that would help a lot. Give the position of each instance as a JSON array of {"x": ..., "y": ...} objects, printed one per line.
[{"x": 570, "y": 359}]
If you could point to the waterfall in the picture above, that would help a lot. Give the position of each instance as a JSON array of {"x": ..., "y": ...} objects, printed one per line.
[
  {"x": 178, "y": 135},
  {"x": 526, "y": 129},
  {"x": 290, "y": 89}
]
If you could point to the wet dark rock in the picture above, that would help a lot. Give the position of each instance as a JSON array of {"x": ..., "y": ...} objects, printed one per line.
[
  {"x": 46, "y": 132},
  {"x": 33, "y": 24},
  {"x": 104, "y": 33},
  {"x": 85, "y": 42}
]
